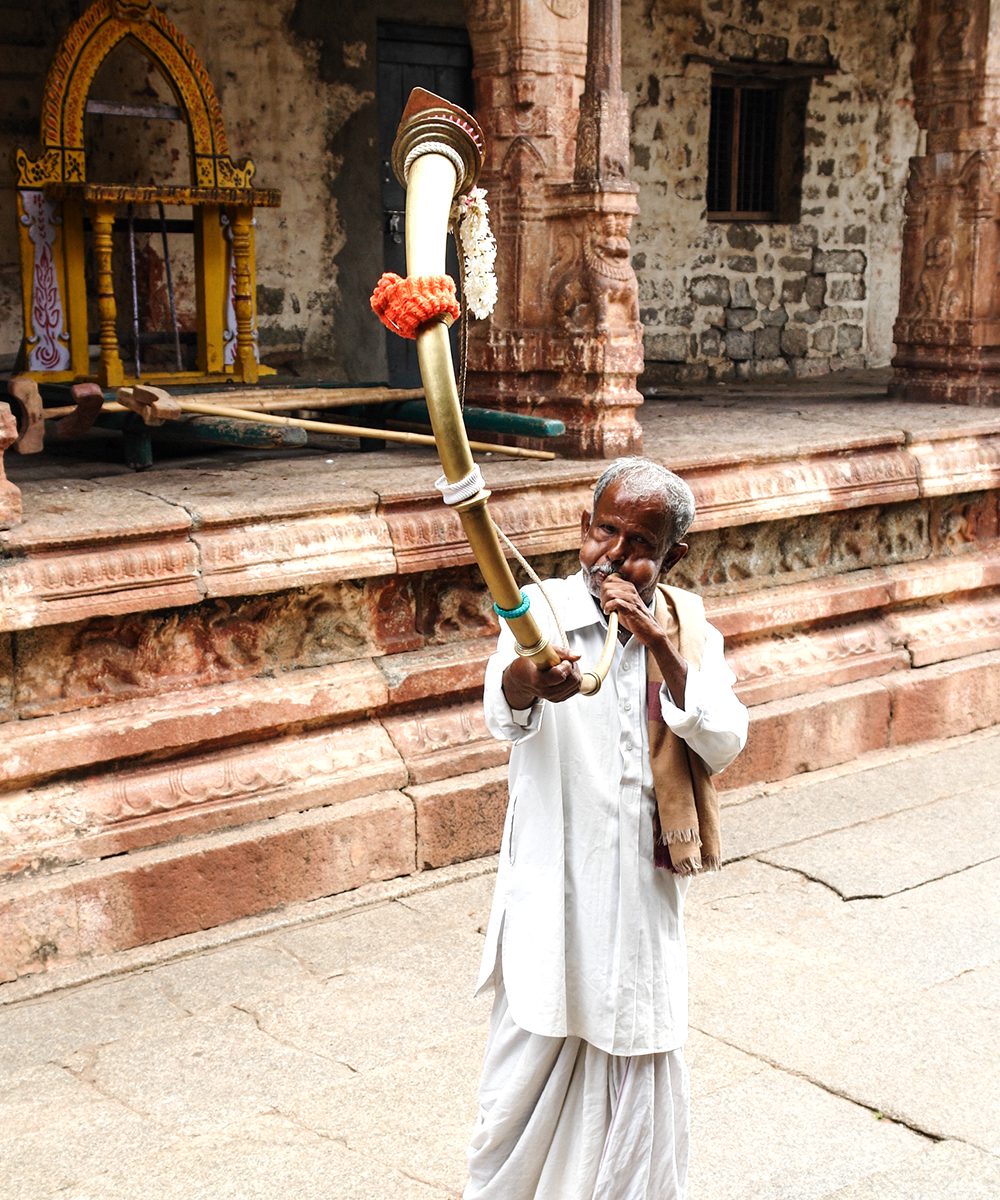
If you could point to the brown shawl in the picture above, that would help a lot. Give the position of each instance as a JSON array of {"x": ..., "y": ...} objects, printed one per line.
[{"x": 686, "y": 818}]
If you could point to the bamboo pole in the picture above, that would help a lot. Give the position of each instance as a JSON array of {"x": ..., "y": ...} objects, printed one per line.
[
  {"x": 280, "y": 399},
  {"x": 266, "y": 418},
  {"x": 388, "y": 435}
]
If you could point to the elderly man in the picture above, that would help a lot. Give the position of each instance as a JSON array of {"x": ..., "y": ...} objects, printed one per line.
[{"x": 584, "y": 1093}]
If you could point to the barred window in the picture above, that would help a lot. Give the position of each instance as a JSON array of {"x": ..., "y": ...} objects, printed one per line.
[{"x": 755, "y": 148}]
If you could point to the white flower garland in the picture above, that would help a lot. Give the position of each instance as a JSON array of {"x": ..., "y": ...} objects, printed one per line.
[{"x": 479, "y": 252}]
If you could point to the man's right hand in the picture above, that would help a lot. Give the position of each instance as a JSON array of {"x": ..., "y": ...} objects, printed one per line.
[{"x": 524, "y": 683}]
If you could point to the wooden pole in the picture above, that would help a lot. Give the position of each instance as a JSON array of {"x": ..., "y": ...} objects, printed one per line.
[
  {"x": 246, "y": 414},
  {"x": 388, "y": 435}
]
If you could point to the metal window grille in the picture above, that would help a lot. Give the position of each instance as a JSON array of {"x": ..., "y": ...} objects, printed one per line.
[{"x": 743, "y": 143}]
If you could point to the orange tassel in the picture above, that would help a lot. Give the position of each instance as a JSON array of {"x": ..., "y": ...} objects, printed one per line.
[{"x": 403, "y": 305}]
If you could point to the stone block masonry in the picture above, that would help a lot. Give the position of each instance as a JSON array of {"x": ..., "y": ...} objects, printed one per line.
[
  {"x": 264, "y": 685},
  {"x": 816, "y": 288}
]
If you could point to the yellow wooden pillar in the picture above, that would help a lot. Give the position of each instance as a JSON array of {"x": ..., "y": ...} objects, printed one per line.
[
  {"x": 211, "y": 279},
  {"x": 76, "y": 287},
  {"x": 110, "y": 371},
  {"x": 241, "y": 217}
]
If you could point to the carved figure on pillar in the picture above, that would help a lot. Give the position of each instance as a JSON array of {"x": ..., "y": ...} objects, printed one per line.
[
  {"x": 600, "y": 294},
  {"x": 947, "y": 340},
  {"x": 565, "y": 340}
]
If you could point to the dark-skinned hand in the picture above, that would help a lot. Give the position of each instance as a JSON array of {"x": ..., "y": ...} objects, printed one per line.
[
  {"x": 524, "y": 683},
  {"x": 620, "y": 596}
]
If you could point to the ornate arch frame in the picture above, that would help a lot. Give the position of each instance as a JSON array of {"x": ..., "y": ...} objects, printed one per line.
[{"x": 53, "y": 193}]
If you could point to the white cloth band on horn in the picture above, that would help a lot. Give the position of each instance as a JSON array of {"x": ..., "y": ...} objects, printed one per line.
[
  {"x": 464, "y": 489},
  {"x": 449, "y": 152}
]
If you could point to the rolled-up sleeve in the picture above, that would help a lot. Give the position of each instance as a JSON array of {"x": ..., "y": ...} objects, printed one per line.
[{"x": 713, "y": 721}]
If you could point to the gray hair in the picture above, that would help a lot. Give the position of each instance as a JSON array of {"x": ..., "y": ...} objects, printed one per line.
[{"x": 643, "y": 479}]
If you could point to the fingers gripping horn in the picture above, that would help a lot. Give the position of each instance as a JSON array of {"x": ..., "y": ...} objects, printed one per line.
[{"x": 437, "y": 155}]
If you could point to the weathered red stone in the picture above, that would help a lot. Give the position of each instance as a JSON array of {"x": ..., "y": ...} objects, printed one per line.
[
  {"x": 565, "y": 340},
  {"x": 444, "y": 742},
  {"x": 945, "y": 700},
  {"x": 946, "y": 332},
  {"x": 182, "y": 721},
  {"x": 459, "y": 818},
  {"x": 136, "y": 806},
  {"x": 806, "y": 733},
  {"x": 162, "y": 893}
]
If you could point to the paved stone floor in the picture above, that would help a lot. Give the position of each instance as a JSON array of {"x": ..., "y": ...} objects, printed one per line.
[{"x": 845, "y": 996}]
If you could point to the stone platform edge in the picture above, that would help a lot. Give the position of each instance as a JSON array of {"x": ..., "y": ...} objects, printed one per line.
[{"x": 133, "y": 543}]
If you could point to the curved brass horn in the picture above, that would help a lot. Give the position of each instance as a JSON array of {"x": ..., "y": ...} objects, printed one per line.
[{"x": 437, "y": 155}]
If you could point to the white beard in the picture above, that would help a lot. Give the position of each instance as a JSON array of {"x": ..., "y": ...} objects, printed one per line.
[{"x": 594, "y": 576}]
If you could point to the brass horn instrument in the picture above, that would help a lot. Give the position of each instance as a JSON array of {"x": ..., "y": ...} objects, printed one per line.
[{"x": 436, "y": 156}]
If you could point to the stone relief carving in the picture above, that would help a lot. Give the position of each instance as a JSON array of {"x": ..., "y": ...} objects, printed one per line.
[
  {"x": 488, "y": 14},
  {"x": 565, "y": 8},
  {"x": 951, "y": 42},
  {"x": 604, "y": 294},
  {"x": 723, "y": 561},
  {"x": 963, "y": 523},
  {"x": 939, "y": 291},
  {"x": 523, "y": 166},
  {"x": 978, "y": 184},
  {"x": 454, "y": 608},
  {"x": 108, "y": 659}
]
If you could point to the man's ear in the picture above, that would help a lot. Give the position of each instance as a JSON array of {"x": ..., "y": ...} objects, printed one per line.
[
  {"x": 674, "y": 556},
  {"x": 584, "y": 523}
]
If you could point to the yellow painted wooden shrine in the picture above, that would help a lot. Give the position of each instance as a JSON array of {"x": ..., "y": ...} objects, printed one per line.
[{"x": 55, "y": 198}]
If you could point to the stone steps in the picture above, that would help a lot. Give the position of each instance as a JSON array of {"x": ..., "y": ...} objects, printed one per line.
[
  {"x": 324, "y": 836},
  {"x": 207, "y": 671}
]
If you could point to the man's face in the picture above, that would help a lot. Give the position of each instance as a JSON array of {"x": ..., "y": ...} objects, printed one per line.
[{"x": 626, "y": 537}]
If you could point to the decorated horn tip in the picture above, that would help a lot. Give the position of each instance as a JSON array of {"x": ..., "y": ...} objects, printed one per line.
[
  {"x": 590, "y": 683},
  {"x": 421, "y": 102},
  {"x": 472, "y": 131}
]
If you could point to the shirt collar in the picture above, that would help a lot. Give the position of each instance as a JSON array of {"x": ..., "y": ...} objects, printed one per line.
[{"x": 580, "y": 609}]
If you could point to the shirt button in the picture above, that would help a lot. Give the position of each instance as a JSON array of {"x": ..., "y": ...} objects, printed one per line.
[
  {"x": 625, "y": 666},
  {"x": 627, "y": 744},
  {"x": 627, "y": 706}
]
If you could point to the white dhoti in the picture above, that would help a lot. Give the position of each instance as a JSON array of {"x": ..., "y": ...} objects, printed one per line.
[{"x": 561, "y": 1120}]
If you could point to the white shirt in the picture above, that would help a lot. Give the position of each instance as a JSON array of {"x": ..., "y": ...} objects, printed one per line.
[{"x": 592, "y": 935}]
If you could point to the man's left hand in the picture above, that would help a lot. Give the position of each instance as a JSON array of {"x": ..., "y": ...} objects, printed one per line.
[{"x": 620, "y": 596}]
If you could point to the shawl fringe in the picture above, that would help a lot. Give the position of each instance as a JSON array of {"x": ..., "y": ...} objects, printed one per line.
[{"x": 672, "y": 837}]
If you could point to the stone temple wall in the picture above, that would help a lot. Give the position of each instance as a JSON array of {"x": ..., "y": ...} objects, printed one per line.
[
  {"x": 297, "y": 82},
  {"x": 724, "y": 300}
]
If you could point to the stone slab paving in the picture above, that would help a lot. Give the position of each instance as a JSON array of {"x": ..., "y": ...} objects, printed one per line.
[
  {"x": 946, "y": 1171},
  {"x": 841, "y": 1049},
  {"x": 903, "y": 850},
  {"x": 802, "y": 808}
]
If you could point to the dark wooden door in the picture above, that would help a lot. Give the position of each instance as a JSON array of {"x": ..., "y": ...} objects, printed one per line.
[{"x": 440, "y": 60}]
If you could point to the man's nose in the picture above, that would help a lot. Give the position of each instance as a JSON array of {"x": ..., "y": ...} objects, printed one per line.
[{"x": 615, "y": 552}]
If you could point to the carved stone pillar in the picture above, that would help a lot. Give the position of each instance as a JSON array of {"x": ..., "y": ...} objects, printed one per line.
[
  {"x": 565, "y": 339},
  {"x": 948, "y": 329}
]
